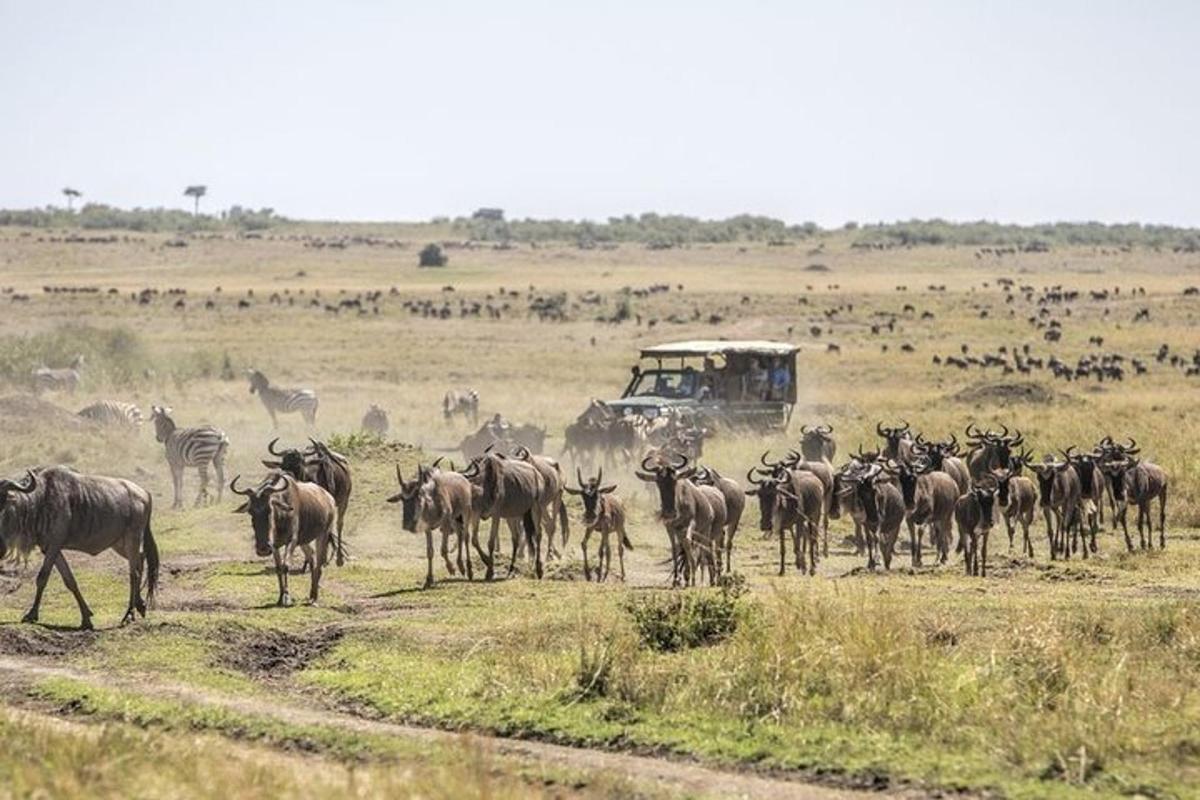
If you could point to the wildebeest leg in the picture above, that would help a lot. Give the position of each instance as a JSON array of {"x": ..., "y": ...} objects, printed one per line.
[
  {"x": 779, "y": 531},
  {"x": 322, "y": 557},
  {"x": 533, "y": 529},
  {"x": 621, "y": 536},
  {"x": 728, "y": 548},
  {"x": 135, "y": 582},
  {"x": 429, "y": 557},
  {"x": 51, "y": 556},
  {"x": 203, "y": 495},
  {"x": 281, "y": 574},
  {"x": 604, "y": 557},
  {"x": 983, "y": 565},
  {"x": 1050, "y": 533},
  {"x": 914, "y": 541},
  {"x": 445, "y": 551},
  {"x": 517, "y": 545},
  {"x": 464, "y": 546},
  {"x": 812, "y": 545},
  {"x": 68, "y": 578},
  {"x": 493, "y": 538},
  {"x": 1008, "y": 523},
  {"x": 825, "y": 523},
  {"x": 1028, "y": 542},
  {"x": 583, "y": 545},
  {"x": 1162, "y": 519}
]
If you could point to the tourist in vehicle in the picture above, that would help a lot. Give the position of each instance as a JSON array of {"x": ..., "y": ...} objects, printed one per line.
[{"x": 781, "y": 379}]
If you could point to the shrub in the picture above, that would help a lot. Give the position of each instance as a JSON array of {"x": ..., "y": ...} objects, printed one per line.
[
  {"x": 432, "y": 256},
  {"x": 673, "y": 621}
]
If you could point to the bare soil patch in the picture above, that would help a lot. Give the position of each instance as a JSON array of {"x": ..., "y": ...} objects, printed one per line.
[
  {"x": 1006, "y": 393},
  {"x": 270, "y": 653},
  {"x": 32, "y": 640}
]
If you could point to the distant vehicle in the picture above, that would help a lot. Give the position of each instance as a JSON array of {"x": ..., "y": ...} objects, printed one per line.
[{"x": 748, "y": 384}]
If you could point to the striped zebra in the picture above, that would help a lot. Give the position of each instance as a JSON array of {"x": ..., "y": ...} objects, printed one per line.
[
  {"x": 461, "y": 401},
  {"x": 283, "y": 401},
  {"x": 191, "y": 447},
  {"x": 56, "y": 380},
  {"x": 114, "y": 414}
]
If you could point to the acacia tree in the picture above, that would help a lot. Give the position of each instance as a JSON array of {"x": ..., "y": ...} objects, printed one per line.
[
  {"x": 196, "y": 192},
  {"x": 71, "y": 195}
]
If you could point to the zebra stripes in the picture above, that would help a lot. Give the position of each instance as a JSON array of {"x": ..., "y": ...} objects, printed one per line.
[
  {"x": 283, "y": 401},
  {"x": 461, "y": 401},
  {"x": 112, "y": 413},
  {"x": 191, "y": 447}
]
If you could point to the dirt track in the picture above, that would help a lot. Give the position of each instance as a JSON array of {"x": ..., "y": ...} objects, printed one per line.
[{"x": 662, "y": 774}]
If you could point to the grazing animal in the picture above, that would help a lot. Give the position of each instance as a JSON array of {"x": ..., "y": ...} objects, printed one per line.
[
  {"x": 553, "y": 487},
  {"x": 1018, "y": 498},
  {"x": 439, "y": 500},
  {"x": 735, "y": 506},
  {"x": 190, "y": 447},
  {"x": 461, "y": 401},
  {"x": 283, "y": 401},
  {"x": 114, "y": 414},
  {"x": 58, "y": 380},
  {"x": 1058, "y": 489},
  {"x": 1139, "y": 482},
  {"x": 790, "y": 499},
  {"x": 974, "y": 513},
  {"x": 603, "y": 511},
  {"x": 694, "y": 516},
  {"x": 375, "y": 421},
  {"x": 515, "y": 491},
  {"x": 322, "y": 466},
  {"x": 817, "y": 444},
  {"x": 56, "y": 509},
  {"x": 929, "y": 500},
  {"x": 285, "y": 513}
]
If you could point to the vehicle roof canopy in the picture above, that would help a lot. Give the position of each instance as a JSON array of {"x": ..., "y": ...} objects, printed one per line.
[{"x": 703, "y": 347}]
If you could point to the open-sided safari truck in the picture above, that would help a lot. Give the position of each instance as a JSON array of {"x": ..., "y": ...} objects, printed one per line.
[{"x": 737, "y": 383}]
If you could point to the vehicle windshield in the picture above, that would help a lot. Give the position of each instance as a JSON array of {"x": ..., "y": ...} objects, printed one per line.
[{"x": 670, "y": 384}]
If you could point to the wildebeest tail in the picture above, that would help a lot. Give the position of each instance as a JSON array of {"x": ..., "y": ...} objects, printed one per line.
[
  {"x": 564, "y": 521},
  {"x": 530, "y": 531},
  {"x": 150, "y": 554},
  {"x": 628, "y": 545},
  {"x": 340, "y": 555}
]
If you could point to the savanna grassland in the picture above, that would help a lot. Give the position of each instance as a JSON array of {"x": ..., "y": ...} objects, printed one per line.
[{"x": 1046, "y": 679}]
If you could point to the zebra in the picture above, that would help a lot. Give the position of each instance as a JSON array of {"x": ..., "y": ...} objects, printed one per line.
[
  {"x": 461, "y": 401},
  {"x": 51, "y": 380},
  {"x": 283, "y": 401},
  {"x": 191, "y": 447},
  {"x": 112, "y": 413}
]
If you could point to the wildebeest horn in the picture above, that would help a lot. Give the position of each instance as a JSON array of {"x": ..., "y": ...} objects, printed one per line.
[
  {"x": 953, "y": 443},
  {"x": 521, "y": 452},
  {"x": 879, "y": 429},
  {"x": 973, "y": 431},
  {"x": 1003, "y": 435},
  {"x": 825, "y": 429},
  {"x": 646, "y": 464},
  {"x": 1132, "y": 444},
  {"x": 29, "y": 484},
  {"x": 579, "y": 476},
  {"x": 765, "y": 463},
  {"x": 751, "y": 479},
  {"x": 436, "y": 461},
  {"x": 1017, "y": 440},
  {"x": 682, "y": 463},
  {"x": 399, "y": 476},
  {"x": 803, "y": 429},
  {"x": 274, "y": 488},
  {"x": 271, "y": 447},
  {"x": 1067, "y": 453},
  {"x": 905, "y": 425},
  {"x": 233, "y": 487}
]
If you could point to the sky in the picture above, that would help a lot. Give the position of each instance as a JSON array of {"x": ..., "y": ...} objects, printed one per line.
[{"x": 826, "y": 111}]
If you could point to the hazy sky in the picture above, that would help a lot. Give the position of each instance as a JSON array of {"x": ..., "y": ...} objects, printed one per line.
[{"x": 829, "y": 111}]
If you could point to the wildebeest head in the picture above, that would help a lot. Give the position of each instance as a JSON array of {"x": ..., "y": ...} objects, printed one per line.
[
  {"x": 906, "y": 475},
  {"x": 1003, "y": 479},
  {"x": 262, "y": 503},
  {"x": 998, "y": 447},
  {"x": 985, "y": 498},
  {"x": 292, "y": 461},
  {"x": 1085, "y": 467},
  {"x": 767, "y": 492},
  {"x": 893, "y": 437},
  {"x": 666, "y": 476},
  {"x": 589, "y": 492},
  {"x": 1046, "y": 472},
  {"x": 817, "y": 443},
  {"x": 9, "y": 488},
  {"x": 415, "y": 497},
  {"x": 163, "y": 424}
]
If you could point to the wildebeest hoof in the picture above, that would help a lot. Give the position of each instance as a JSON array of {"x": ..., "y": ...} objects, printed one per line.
[
  {"x": 125, "y": 620},
  {"x": 428, "y": 584},
  {"x": 285, "y": 602},
  {"x": 30, "y": 616},
  {"x": 86, "y": 624}
]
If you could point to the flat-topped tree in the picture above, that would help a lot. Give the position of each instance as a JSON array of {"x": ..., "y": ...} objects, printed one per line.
[
  {"x": 196, "y": 192},
  {"x": 71, "y": 194}
]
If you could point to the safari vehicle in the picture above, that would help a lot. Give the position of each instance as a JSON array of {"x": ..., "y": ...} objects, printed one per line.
[{"x": 737, "y": 383}]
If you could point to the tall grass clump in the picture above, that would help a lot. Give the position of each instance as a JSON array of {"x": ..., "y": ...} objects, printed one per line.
[{"x": 111, "y": 355}]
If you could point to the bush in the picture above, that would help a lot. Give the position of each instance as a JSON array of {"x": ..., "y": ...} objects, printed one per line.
[
  {"x": 672, "y": 621},
  {"x": 432, "y": 256}
]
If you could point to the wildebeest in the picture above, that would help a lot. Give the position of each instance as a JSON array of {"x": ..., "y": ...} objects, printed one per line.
[
  {"x": 990, "y": 450},
  {"x": 322, "y": 466},
  {"x": 898, "y": 441},
  {"x": 824, "y": 472},
  {"x": 1018, "y": 498},
  {"x": 285, "y": 512},
  {"x": 1058, "y": 489},
  {"x": 283, "y": 401},
  {"x": 1139, "y": 482},
  {"x": 735, "y": 506},
  {"x": 461, "y": 401},
  {"x": 974, "y": 513},
  {"x": 604, "y": 512},
  {"x": 57, "y": 509},
  {"x": 375, "y": 421},
  {"x": 694, "y": 517},
  {"x": 817, "y": 444},
  {"x": 511, "y": 490},
  {"x": 190, "y": 447},
  {"x": 929, "y": 499},
  {"x": 553, "y": 491},
  {"x": 440, "y": 500},
  {"x": 790, "y": 499}
]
